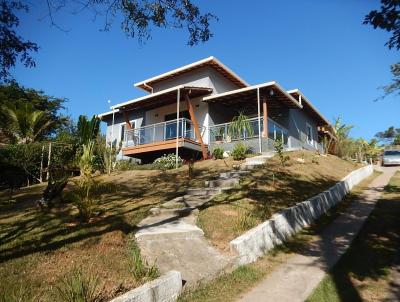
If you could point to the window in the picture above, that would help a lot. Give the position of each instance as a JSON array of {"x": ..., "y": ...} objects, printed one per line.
[
  {"x": 309, "y": 134},
  {"x": 122, "y": 137}
]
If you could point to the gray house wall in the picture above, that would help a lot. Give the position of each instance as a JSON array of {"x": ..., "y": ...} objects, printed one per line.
[{"x": 297, "y": 125}]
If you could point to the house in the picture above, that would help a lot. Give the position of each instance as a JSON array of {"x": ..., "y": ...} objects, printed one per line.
[{"x": 188, "y": 111}]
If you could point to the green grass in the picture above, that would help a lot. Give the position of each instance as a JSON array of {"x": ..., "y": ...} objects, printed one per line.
[
  {"x": 362, "y": 274},
  {"x": 230, "y": 286}
]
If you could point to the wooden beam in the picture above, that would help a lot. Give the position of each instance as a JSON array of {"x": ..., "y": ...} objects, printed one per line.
[
  {"x": 127, "y": 122},
  {"x": 196, "y": 126},
  {"x": 265, "y": 117}
]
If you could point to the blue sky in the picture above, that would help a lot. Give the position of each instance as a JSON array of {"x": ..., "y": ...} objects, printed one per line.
[{"x": 320, "y": 47}]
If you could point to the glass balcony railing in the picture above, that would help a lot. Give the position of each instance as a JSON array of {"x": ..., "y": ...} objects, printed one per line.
[
  {"x": 182, "y": 128},
  {"x": 223, "y": 133}
]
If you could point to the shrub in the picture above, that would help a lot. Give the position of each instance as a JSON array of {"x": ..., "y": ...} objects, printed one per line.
[
  {"x": 279, "y": 149},
  {"x": 218, "y": 153},
  {"x": 239, "y": 151},
  {"x": 76, "y": 287},
  {"x": 85, "y": 196},
  {"x": 166, "y": 162},
  {"x": 141, "y": 269},
  {"x": 126, "y": 165}
]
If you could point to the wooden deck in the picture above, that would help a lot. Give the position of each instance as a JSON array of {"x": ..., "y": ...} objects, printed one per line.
[{"x": 161, "y": 146}]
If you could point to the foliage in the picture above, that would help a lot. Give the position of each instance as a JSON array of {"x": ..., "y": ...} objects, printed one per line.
[
  {"x": 24, "y": 123},
  {"x": 239, "y": 125},
  {"x": 390, "y": 136},
  {"x": 77, "y": 287},
  {"x": 125, "y": 165},
  {"x": 85, "y": 196},
  {"x": 87, "y": 129},
  {"x": 239, "y": 151},
  {"x": 245, "y": 222},
  {"x": 388, "y": 19},
  {"x": 218, "y": 153},
  {"x": 13, "y": 47},
  {"x": 167, "y": 162},
  {"x": 137, "y": 18},
  {"x": 21, "y": 102},
  {"x": 108, "y": 153},
  {"x": 86, "y": 161},
  {"x": 279, "y": 148},
  {"x": 344, "y": 145},
  {"x": 20, "y": 293},
  {"x": 25, "y": 157},
  {"x": 141, "y": 270}
]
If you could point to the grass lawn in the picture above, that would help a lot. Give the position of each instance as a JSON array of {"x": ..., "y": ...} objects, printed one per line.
[
  {"x": 363, "y": 273},
  {"x": 37, "y": 248},
  {"x": 230, "y": 286},
  {"x": 267, "y": 190}
]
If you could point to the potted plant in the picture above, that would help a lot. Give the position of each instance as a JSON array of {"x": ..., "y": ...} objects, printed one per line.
[
  {"x": 219, "y": 135},
  {"x": 239, "y": 125}
]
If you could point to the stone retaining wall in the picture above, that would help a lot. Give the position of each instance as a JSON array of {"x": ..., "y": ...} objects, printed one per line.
[
  {"x": 163, "y": 289},
  {"x": 257, "y": 241}
]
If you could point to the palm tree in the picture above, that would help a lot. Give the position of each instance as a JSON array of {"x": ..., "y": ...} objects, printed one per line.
[
  {"x": 23, "y": 123},
  {"x": 87, "y": 129},
  {"x": 342, "y": 133}
]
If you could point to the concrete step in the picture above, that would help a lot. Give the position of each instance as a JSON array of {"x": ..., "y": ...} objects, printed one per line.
[
  {"x": 230, "y": 174},
  {"x": 203, "y": 191},
  {"x": 219, "y": 183}
]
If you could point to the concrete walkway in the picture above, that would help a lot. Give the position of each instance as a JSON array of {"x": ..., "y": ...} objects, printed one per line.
[{"x": 295, "y": 280}]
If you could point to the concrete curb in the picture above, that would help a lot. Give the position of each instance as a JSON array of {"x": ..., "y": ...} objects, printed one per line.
[
  {"x": 257, "y": 241},
  {"x": 163, "y": 289}
]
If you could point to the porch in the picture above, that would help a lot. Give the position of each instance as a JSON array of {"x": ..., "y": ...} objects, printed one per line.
[
  {"x": 152, "y": 141},
  {"x": 220, "y": 136}
]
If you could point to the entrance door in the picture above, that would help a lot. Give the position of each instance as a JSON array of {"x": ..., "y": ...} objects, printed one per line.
[{"x": 170, "y": 128}]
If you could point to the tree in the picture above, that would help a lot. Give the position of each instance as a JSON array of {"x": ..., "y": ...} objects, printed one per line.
[
  {"x": 388, "y": 18},
  {"x": 137, "y": 18},
  {"x": 344, "y": 145},
  {"x": 390, "y": 136},
  {"x": 24, "y": 123},
  {"x": 13, "y": 47},
  {"x": 87, "y": 130},
  {"x": 13, "y": 95}
]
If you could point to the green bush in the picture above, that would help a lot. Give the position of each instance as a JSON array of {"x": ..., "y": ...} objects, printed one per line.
[
  {"x": 218, "y": 153},
  {"x": 77, "y": 287},
  {"x": 125, "y": 165},
  {"x": 166, "y": 162},
  {"x": 279, "y": 149},
  {"x": 239, "y": 151}
]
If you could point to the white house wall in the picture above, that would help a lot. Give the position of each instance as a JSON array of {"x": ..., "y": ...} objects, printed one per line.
[
  {"x": 201, "y": 77},
  {"x": 157, "y": 115}
]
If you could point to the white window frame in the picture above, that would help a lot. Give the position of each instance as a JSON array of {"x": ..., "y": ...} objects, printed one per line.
[{"x": 311, "y": 140}]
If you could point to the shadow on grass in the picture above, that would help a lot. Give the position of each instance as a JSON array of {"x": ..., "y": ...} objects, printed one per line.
[
  {"x": 35, "y": 231},
  {"x": 371, "y": 255}
]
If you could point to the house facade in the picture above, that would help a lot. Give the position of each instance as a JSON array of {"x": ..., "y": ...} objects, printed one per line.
[{"x": 189, "y": 110}]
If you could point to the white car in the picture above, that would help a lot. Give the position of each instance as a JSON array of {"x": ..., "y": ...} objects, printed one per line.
[{"x": 391, "y": 157}]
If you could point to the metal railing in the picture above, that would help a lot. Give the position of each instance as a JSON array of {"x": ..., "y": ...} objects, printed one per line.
[
  {"x": 161, "y": 132},
  {"x": 222, "y": 133}
]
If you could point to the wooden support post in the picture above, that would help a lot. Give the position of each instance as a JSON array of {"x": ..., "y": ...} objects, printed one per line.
[
  {"x": 265, "y": 117},
  {"x": 196, "y": 126}
]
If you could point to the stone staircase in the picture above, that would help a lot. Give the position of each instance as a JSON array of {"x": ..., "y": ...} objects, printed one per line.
[{"x": 171, "y": 237}]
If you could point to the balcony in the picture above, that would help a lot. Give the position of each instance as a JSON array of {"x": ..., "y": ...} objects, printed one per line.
[{"x": 161, "y": 138}]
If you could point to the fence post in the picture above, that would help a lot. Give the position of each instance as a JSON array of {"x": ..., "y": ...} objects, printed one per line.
[{"x": 48, "y": 163}]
